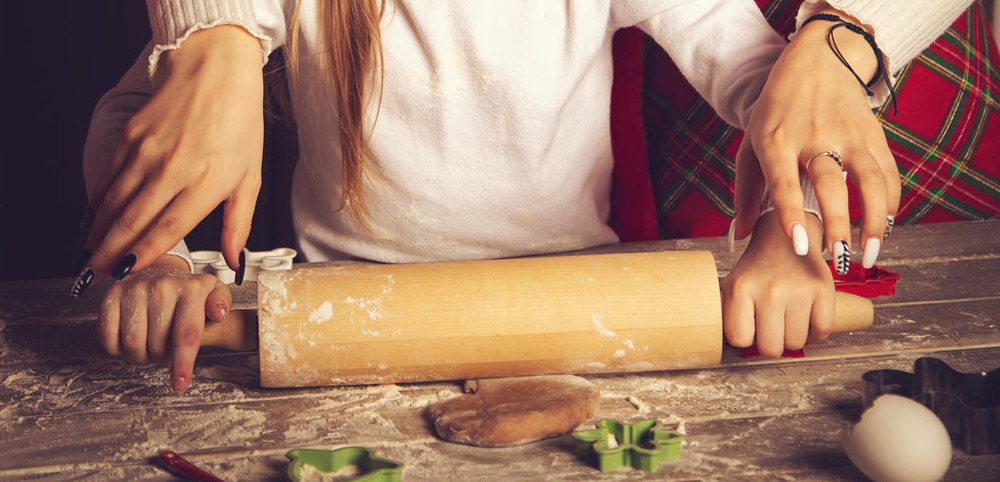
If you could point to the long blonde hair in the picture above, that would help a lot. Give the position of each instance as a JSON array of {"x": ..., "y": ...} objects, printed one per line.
[{"x": 352, "y": 37}]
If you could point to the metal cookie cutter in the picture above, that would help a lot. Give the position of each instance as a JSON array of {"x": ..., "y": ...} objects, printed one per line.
[
  {"x": 967, "y": 403},
  {"x": 211, "y": 262},
  {"x": 370, "y": 467},
  {"x": 641, "y": 445}
]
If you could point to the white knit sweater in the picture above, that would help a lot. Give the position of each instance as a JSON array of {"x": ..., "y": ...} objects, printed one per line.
[{"x": 493, "y": 137}]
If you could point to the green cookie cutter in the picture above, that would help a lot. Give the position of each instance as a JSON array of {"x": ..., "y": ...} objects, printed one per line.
[
  {"x": 641, "y": 445},
  {"x": 371, "y": 468}
]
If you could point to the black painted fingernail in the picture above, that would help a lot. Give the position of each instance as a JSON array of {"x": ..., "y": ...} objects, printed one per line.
[
  {"x": 842, "y": 256},
  {"x": 241, "y": 271},
  {"x": 86, "y": 220},
  {"x": 890, "y": 221},
  {"x": 81, "y": 283},
  {"x": 81, "y": 262},
  {"x": 124, "y": 267}
]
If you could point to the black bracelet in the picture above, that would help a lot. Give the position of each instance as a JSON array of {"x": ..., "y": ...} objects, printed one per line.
[{"x": 879, "y": 74}]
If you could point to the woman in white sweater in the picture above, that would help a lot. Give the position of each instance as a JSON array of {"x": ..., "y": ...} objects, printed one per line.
[{"x": 476, "y": 129}]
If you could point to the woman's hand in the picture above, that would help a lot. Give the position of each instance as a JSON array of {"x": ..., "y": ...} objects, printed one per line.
[
  {"x": 158, "y": 316},
  {"x": 196, "y": 144},
  {"x": 775, "y": 296},
  {"x": 810, "y": 104}
]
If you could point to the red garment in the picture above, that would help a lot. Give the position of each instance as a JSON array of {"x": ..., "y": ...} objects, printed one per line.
[{"x": 674, "y": 167}]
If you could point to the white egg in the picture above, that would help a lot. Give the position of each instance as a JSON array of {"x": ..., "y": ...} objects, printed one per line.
[{"x": 899, "y": 440}]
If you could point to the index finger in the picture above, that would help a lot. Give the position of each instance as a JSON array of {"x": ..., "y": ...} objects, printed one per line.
[
  {"x": 781, "y": 170},
  {"x": 187, "y": 327}
]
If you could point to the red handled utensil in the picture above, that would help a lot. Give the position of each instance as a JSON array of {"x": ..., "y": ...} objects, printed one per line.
[{"x": 179, "y": 465}]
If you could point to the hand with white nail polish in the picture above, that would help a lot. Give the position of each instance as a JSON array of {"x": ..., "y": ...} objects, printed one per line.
[
  {"x": 810, "y": 106},
  {"x": 775, "y": 296},
  {"x": 158, "y": 315}
]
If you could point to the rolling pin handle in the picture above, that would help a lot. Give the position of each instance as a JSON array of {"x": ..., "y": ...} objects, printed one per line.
[{"x": 237, "y": 332}]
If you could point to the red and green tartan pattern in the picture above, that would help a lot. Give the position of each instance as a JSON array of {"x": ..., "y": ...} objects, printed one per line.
[{"x": 946, "y": 138}]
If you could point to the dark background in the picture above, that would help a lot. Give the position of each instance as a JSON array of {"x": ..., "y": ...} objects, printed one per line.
[{"x": 58, "y": 58}]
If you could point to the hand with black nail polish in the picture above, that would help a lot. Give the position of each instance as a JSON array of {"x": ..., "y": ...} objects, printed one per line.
[{"x": 195, "y": 144}]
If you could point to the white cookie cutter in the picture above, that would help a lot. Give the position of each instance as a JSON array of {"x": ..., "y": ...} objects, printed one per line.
[{"x": 212, "y": 262}]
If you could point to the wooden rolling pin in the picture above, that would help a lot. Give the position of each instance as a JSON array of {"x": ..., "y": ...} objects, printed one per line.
[{"x": 375, "y": 323}]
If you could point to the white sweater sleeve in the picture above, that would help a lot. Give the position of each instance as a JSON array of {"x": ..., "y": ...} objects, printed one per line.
[
  {"x": 725, "y": 48},
  {"x": 902, "y": 28},
  {"x": 173, "y": 21},
  {"x": 112, "y": 113}
]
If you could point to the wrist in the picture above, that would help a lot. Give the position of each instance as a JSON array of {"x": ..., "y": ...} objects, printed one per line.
[
  {"x": 769, "y": 230},
  {"x": 171, "y": 262},
  {"x": 855, "y": 49},
  {"x": 222, "y": 45}
]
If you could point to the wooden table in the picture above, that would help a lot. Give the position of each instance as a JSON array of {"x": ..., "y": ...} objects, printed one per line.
[{"x": 68, "y": 412}]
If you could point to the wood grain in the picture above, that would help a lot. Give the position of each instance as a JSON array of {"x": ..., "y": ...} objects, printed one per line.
[
  {"x": 372, "y": 323},
  {"x": 67, "y": 412}
]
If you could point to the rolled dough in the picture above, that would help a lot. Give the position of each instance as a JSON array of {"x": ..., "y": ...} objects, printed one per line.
[{"x": 502, "y": 412}]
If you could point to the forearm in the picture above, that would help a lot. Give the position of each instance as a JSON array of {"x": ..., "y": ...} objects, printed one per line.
[{"x": 725, "y": 49}]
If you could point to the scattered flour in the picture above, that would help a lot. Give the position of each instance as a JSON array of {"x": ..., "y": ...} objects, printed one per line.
[
  {"x": 639, "y": 405},
  {"x": 322, "y": 314},
  {"x": 601, "y": 329},
  {"x": 312, "y": 474}
]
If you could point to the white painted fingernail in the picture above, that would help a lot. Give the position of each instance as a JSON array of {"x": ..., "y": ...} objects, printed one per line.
[
  {"x": 800, "y": 239},
  {"x": 871, "y": 252},
  {"x": 841, "y": 256}
]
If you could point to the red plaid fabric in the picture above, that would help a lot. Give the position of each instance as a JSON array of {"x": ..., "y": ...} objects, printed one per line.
[{"x": 946, "y": 138}]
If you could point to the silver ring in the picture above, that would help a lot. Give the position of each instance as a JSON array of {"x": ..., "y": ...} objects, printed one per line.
[{"x": 831, "y": 154}]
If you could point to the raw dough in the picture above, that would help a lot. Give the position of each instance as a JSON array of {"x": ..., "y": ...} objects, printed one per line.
[{"x": 502, "y": 412}]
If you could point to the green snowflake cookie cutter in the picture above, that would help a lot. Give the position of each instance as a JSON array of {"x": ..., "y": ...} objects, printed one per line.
[
  {"x": 641, "y": 445},
  {"x": 370, "y": 467}
]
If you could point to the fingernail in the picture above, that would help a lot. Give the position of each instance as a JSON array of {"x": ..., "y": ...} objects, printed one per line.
[
  {"x": 124, "y": 267},
  {"x": 800, "y": 239},
  {"x": 871, "y": 252},
  {"x": 242, "y": 269},
  {"x": 81, "y": 262},
  {"x": 81, "y": 283},
  {"x": 180, "y": 384},
  {"x": 842, "y": 256},
  {"x": 222, "y": 309},
  {"x": 889, "y": 222},
  {"x": 86, "y": 220}
]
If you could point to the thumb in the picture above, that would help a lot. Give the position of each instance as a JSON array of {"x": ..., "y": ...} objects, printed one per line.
[
  {"x": 237, "y": 216},
  {"x": 749, "y": 189},
  {"x": 218, "y": 303}
]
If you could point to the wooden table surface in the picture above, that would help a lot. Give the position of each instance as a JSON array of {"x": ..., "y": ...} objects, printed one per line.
[{"x": 68, "y": 412}]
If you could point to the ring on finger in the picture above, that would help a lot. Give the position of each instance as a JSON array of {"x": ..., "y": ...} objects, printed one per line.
[{"x": 831, "y": 154}]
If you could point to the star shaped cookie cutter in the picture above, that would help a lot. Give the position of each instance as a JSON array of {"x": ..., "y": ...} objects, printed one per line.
[
  {"x": 370, "y": 467},
  {"x": 641, "y": 445}
]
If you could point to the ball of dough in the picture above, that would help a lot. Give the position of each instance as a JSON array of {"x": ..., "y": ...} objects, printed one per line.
[
  {"x": 502, "y": 412},
  {"x": 899, "y": 440}
]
